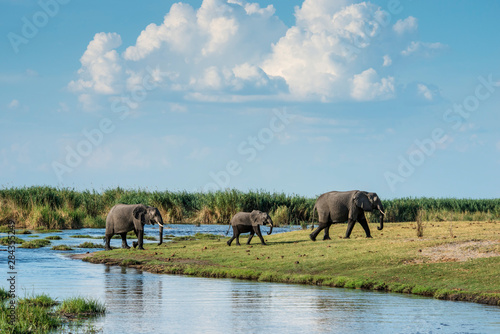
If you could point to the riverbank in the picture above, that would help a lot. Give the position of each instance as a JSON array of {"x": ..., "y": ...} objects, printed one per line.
[{"x": 452, "y": 260}]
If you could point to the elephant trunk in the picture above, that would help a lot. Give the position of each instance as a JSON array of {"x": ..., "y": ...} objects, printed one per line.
[
  {"x": 271, "y": 230},
  {"x": 382, "y": 214}
]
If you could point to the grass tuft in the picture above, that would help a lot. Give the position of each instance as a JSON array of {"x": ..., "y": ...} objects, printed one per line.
[
  {"x": 62, "y": 248},
  {"x": 79, "y": 306},
  {"x": 37, "y": 243},
  {"x": 89, "y": 245}
]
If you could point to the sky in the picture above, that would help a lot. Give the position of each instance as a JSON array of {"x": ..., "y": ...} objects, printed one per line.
[{"x": 302, "y": 97}]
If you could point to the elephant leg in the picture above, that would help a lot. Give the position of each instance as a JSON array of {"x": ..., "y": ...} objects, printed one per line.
[
  {"x": 135, "y": 243},
  {"x": 364, "y": 223},
  {"x": 237, "y": 235},
  {"x": 140, "y": 239},
  {"x": 315, "y": 233},
  {"x": 350, "y": 225},
  {"x": 124, "y": 240},
  {"x": 235, "y": 231},
  {"x": 327, "y": 232},
  {"x": 107, "y": 245},
  {"x": 250, "y": 237},
  {"x": 257, "y": 230}
]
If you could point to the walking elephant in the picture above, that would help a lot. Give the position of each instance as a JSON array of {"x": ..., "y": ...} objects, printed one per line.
[
  {"x": 123, "y": 218},
  {"x": 244, "y": 222},
  {"x": 341, "y": 206}
]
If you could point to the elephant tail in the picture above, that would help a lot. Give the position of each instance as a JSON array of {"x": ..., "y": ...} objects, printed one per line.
[
  {"x": 228, "y": 228},
  {"x": 312, "y": 217}
]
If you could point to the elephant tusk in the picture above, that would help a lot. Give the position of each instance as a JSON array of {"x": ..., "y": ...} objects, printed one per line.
[
  {"x": 382, "y": 212},
  {"x": 159, "y": 224}
]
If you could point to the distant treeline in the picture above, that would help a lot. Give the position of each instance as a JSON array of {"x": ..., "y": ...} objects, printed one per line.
[{"x": 48, "y": 207}]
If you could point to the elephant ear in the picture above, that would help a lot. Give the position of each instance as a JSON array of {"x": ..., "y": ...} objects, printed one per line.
[
  {"x": 255, "y": 217},
  {"x": 362, "y": 201},
  {"x": 138, "y": 214}
]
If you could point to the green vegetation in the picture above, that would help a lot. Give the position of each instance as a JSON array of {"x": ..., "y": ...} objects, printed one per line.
[
  {"x": 465, "y": 266},
  {"x": 41, "y": 314},
  {"x": 53, "y": 208},
  {"x": 6, "y": 241},
  {"x": 36, "y": 243},
  {"x": 62, "y": 248},
  {"x": 89, "y": 245},
  {"x": 53, "y": 237},
  {"x": 47, "y": 230},
  {"x": 84, "y": 236},
  {"x": 4, "y": 229},
  {"x": 81, "y": 306}
]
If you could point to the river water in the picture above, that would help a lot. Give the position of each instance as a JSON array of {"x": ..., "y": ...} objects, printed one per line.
[{"x": 141, "y": 302}]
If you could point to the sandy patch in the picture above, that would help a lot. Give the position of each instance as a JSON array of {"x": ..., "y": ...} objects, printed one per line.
[
  {"x": 463, "y": 251},
  {"x": 80, "y": 256}
]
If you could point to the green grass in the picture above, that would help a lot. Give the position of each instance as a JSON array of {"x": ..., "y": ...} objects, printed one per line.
[
  {"x": 62, "y": 208},
  {"x": 47, "y": 230},
  {"x": 37, "y": 243},
  {"x": 89, "y": 245},
  {"x": 4, "y": 294},
  {"x": 53, "y": 237},
  {"x": 80, "y": 306},
  {"x": 5, "y": 229},
  {"x": 62, "y": 248},
  {"x": 394, "y": 260},
  {"x": 25, "y": 231},
  {"x": 6, "y": 241},
  {"x": 42, "y": 314}
]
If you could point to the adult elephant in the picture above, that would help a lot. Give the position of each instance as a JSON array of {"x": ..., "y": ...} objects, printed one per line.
[
  {"x": 341, "y": 206},
  {"x": 123, "y": 218},
  {"x": 244, "y": 222}
]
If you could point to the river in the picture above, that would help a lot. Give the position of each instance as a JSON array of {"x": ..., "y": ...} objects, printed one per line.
[{"x": 141, "y": 302}]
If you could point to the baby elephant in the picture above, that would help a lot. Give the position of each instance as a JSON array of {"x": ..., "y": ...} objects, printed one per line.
[{"x": 244, "y": 222}]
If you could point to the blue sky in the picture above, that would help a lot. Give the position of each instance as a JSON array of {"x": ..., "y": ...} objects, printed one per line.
[{"x": 304, "y": 97}]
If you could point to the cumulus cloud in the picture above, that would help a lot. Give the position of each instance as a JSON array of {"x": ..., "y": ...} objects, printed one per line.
[
  {"x": 368, "y": 86},
  {"x": 234, "y": 50},
  {"x": 407, "y": 25},
  {"x": 100, "y": 66},
  {"x": 318, "y": 55}
]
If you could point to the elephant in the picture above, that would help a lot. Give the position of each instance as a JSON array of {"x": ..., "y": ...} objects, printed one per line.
[
  {"x": 243, "y": 222},
  {"x": 341, "y": 206},
  {"x": 123, "y": 218}
]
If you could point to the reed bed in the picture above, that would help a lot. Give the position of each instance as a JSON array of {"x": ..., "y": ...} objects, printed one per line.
[{"x": 63, "y": 208}]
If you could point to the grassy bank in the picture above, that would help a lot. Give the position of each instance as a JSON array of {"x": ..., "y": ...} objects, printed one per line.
[
  {"x": 54, "y": 208},
  {"x": 42, "y": 314},
  {"x": 453, "y": 261}
]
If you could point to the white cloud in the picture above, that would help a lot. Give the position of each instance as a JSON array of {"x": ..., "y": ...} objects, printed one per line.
[
  {"x": 318, "y": 55},
  {"x": 367, "y": 86},
  {"x": 387, "y": 61},
  {"x": 425, "y": 92},
  {"x": 409, "y": 25},
  {"x": 422, "y": 48},
  {"x": 234, "y": 51},
  {"x": 14, "y": 104},
  {"x": 100, "y": 66}
]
